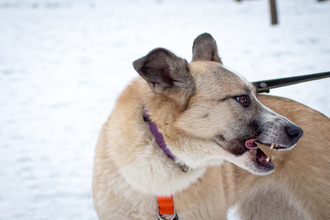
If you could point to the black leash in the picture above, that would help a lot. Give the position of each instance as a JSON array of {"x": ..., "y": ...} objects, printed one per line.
[{"x": 266, "y": 85}]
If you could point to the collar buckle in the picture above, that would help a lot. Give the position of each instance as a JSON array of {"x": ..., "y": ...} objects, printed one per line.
[
  {"x": 168, "y": 217},
  {"x": 165, "y": 209}
]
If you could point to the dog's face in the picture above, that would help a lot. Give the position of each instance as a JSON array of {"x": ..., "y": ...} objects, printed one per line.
[
  {"x": 216, "y": 111},
  {"x": 225, "y": 110}
]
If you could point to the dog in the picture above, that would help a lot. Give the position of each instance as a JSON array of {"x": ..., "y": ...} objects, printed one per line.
[{"x": 200, "y": 134}]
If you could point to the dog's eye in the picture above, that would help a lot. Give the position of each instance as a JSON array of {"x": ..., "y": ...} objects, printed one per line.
[{"x": 243, "y": 99}]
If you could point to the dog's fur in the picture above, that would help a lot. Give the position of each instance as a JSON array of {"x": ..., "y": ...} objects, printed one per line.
[{"x": 206, "y": 114}]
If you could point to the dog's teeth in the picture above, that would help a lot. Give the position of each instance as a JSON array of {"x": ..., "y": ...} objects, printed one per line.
[
  {"x": 272, "y": 146},
  {"x": 268, "y": 159}
]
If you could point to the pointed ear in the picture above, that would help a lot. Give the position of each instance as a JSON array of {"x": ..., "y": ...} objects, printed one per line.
[
  {"x": 166, "y": 74},
  {"x": 205, "y": 49}
]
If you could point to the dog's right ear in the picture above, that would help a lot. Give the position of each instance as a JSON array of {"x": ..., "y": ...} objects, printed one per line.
[
  {"x": 166, "y": 74},
  {"x": 205, "y": 49}
]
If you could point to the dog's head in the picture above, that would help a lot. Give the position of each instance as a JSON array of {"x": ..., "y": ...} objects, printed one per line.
[{"x": 208, "y": 113}]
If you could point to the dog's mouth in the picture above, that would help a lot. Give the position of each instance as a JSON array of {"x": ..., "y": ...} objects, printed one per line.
[
  {"x": 249, "y": 155},
  {"x": 261, "y": 158}
]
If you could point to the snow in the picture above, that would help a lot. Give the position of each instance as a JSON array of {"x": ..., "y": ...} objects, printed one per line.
[{"x": 64, "y": 62}]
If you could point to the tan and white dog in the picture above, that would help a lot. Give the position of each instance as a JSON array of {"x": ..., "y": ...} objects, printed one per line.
[{"x": 213, "y": 122}]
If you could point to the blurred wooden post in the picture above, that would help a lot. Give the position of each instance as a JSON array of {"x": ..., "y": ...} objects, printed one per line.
[{"x": 273, "y": 11}]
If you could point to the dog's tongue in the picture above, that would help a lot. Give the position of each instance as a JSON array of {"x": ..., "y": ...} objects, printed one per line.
[{"x": 249, "y": 144}]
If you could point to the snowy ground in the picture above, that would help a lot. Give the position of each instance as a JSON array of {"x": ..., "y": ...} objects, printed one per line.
[{"x": 63, "y": 63}]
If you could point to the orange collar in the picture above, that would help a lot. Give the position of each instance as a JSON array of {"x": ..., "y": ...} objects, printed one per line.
[{"x": 166, "y": 208}]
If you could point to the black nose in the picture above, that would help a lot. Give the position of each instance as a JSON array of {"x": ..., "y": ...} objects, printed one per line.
[{"x": 294, "y": 132}]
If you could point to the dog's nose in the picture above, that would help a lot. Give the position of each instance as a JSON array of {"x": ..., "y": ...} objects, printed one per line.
[{"x": 294, "y": 133}]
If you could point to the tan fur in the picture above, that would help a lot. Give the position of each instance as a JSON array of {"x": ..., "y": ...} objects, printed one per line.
[
  {"x": 297, "y": 189},
  {"x": 194, "y": 110}
]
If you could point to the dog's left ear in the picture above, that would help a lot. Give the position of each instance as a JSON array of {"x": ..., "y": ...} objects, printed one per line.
[
  {"x": 205, "y": 49},
  {"x": 166, "y": 74}
]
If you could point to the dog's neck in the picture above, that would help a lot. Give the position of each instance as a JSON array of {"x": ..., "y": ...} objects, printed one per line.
[
  {"x": 155, "y": 172},
  {"x": 161, "y": 141},
  {"x": 157, "y": 135}
]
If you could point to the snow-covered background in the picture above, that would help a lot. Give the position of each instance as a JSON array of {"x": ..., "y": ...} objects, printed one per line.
[{"x": 64, "y": 62}]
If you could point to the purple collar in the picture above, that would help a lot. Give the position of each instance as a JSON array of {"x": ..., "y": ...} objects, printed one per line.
[{"x": 159, "y": 138}]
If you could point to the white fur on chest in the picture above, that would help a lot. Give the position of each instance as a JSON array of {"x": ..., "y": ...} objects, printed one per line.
[{"x": 154, "y": 173}]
